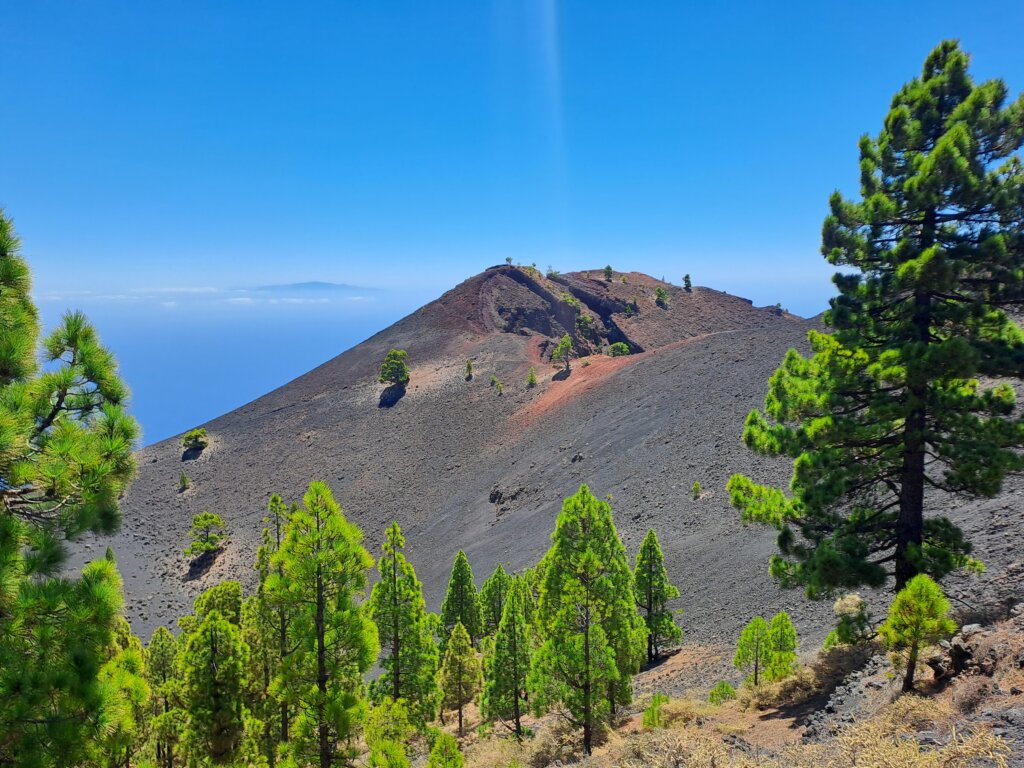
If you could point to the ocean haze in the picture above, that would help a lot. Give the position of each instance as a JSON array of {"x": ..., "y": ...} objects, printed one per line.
[{"x": 191, "y": 354}]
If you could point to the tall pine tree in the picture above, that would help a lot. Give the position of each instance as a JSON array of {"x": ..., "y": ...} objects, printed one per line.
[
  {"x": 653, "y": 591},
  {"x": 593, "y": 638},
  {"x": 320, "y": 573},
  {"x": 891, "y": 403},
  {"x": 409, "y": 653},
  {"x": 492, "y": 598},
  {"x": 461, "y": 601},
  {"x": 460, "y": 672},
  {"x": 508, "y": 668},
  {"x": 65, "y": 457}
]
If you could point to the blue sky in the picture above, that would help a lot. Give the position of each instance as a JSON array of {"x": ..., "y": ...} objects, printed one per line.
[{"x": 150, "y": 149}]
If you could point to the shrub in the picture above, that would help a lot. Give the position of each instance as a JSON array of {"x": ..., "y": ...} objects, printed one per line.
[
  {"x": 608, "y": 273},
  {"x": 722, "y": 692},
  {"x": 563, "y": 351},
  {"x": 572, "y": 301},
  {"x": 209, "y": 532},
  {"x": 394, "y": 369},
  {"x": 653, "y": 716},
  {"x": 469, "y": 370},
  {"x": 660, "y": 297},
  {"x": 918, "y": 615},
  {"x": 494, "y": 379},
  {"x": 195, "y": 439},
  {"x": 696, "y": 490},
  {"x": 553, "y": 273},
  {"x": 508, "y": 260},
  {"x": 184, "y": 482},
  {"x": 531, "y": 378},
  {"x": 687, "y": 285},
  {"x": 618, "y": 349},
  {"x": 854, "y": 622},
  {"x": 623, "y": 280},
  {"x": 500, "y": 387},
  {"x": 445, "y": 753}
]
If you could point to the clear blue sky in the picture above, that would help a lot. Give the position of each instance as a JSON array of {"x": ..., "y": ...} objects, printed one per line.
[{"x": 196, "y": 146}]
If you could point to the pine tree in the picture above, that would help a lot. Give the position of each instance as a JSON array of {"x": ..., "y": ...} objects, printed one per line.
[
  {"x": 320, "y": 573},
  {"x": 461, "y": 601},
  {"x": 592, "y": 636},
  {"x": 213, "y": 665},
  {"x": 492, "y": 598},
  {"x": 460, "y": 672},
  {"x": 445, "y": 753},
  {"x": 65, "y": 457},
  {"x": 409, "y": 652},
  {"x": 918, "y": 615},
  {"x": 276, "y": 522},
  {"x": 687, "y": 285},
  {"x": 259, "y": 633},
  {"x": 653, "y": 592},
  {"x": 388, "y": 754},
  {"x": 161, "y": 674},
  {"x": 388, "y": 721},
  {"x": 128, "y": 695},
  {"x": 782, "y": 644},
  {"x": 209, "y": 532},
  {"x": 891, "y": 403},
  {"x": 563, "y": 351},
  {"x": 225, "y": 597},
  {"x": 508, "y": 667},
  {"x": 753, "y": 651},
  {"x": 394, "y": 370}
]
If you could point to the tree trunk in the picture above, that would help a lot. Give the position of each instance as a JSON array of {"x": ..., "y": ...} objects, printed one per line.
[
  {"x": 908, "y": 678},
  {"x": 396, "y": 642},
  {"x": 587, "y": 725},
  {"x": 460, "y": 720},
  {"x": 910, "y": 523},
  {"x": 515, "y": 694},
  {"x": 321, "y": 674}
]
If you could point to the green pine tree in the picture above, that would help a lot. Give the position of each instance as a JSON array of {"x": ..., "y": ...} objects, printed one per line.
[
  {"x": 320, "y": 574},
  {"x": 214, "y": 667},
  {"x": 208, "y": 534},
  {"x": 162, "y": 676},
  {"x": 905, "y": 394},
  {"x": 66, "y": 453},
  {"x": 563, "y": 351},
  {"x": 492, "y": 598},
  {"x": 445, "y": 753},
  {"x": 918, "y": 615},
  {"x": 127, "y": 710},
  {"x": 508, "y": 668},
  {"x": 593, "y": 638},
  {"x": 753, "y": 651},
  {"x": 653, "y": 592},
  {"x": 409, "y": 653},
  {"x": 782, "y": 643},
  {"x": 276, "y": 522},
  {"x": 394, "y": 370},
  {"x": 259, "y": 632},
  {"x": 461, "y": 601},
  {"x": 460, "y": 679}
]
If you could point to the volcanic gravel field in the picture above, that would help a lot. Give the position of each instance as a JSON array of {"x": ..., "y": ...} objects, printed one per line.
[{"x": 459, "y": 466}]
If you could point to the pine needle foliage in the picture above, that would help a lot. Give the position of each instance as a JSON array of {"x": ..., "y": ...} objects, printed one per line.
[
  {"x": 507, "y": 669},
  {"x": 492, "y": 598},
  {"x": 409, "y": 652},
  {"x": 653, "y": 593},
  {"x": 320, "y": 573},
  {"x": 461, "y": 601},
  {"x": 394, "y": 370},
  {"x": 893, "y": 401},
  {"x": 208, "y": 534},
  {"x": 919, "y": 615},
  {"x": 460, "y": 674},
  {"x": 593, "y": 638}
]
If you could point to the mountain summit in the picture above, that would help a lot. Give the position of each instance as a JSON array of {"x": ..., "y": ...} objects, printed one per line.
[{"x": 466, "y": 463}]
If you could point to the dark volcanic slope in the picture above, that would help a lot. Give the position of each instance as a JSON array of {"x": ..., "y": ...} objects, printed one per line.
[{"x": 460, "y": 467}]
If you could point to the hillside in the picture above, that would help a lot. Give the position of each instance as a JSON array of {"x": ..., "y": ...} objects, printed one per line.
[{"x": 459, "y": 466}]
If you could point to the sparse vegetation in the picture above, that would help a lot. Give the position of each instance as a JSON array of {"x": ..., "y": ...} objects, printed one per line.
[
  {"x": 184, "y": 482},
  {"x": 854, "y": 622},
  {"x": 618, "y": 349},
  {"x": 195, "y": 439},
  {"x": 531, "y": 378},
  {"x": 500, "y": 388},
  {"x": 661, "y": 297},
  {"x": 687, "y": 285},
  {"x": 553, "y": 274},
  {"x": 469, "y": 370},
  {"x": 494, "y": 380},
  {"x": 653, "y": 716},
  {"x": 696, "y": 490},
  {"x": 394, "y": 370},
  {"x": 721, "y": 693},
  {"x": 608, "y": 273},
  {"x": 653, "y": 593},
  {"x": 572, "y": 301},
  {"x": 208, "y": 534}
]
